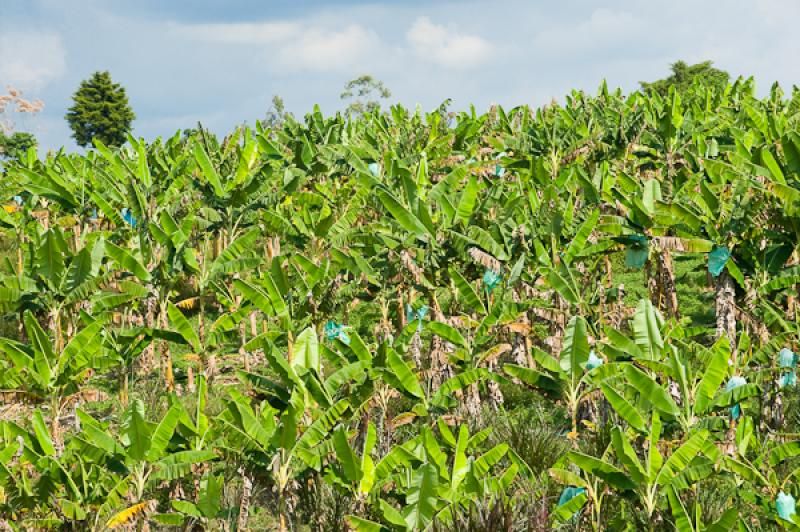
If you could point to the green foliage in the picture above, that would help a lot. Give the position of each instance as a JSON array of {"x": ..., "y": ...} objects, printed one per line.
[
  {"x": 276, "y": 114},
  {"x": 16, "y": 145},
  {"x": 684, "y": 76},
  {"x": 410, "y": 321},
  {"x": 365, "y": 92},
  {"x": 100, "y": 111}
]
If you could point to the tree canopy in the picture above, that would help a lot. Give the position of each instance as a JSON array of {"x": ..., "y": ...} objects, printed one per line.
[
  {"x": 101, "y": 111},
  {"x": 684, "y": 75},
  {"x": 365, "y": 93},
  {"x": 15, "y": 145}
]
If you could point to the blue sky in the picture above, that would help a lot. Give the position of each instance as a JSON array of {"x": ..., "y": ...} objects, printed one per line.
[{"x": 220, "y": 62}]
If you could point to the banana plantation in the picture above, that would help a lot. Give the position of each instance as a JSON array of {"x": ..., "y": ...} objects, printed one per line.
[{"x": 578, "y": 317}]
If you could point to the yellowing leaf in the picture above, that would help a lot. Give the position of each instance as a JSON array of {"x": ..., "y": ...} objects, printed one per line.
[{"x": 128, "y": 514}]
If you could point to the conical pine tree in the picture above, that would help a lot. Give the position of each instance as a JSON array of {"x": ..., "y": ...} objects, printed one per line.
[{"x": 100, "y": 111}]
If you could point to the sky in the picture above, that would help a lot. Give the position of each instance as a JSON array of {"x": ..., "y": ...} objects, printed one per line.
[{"x": 220, "y": 62}]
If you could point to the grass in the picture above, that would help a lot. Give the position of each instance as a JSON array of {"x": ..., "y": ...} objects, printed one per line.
[{"x": 695, "y": 295}]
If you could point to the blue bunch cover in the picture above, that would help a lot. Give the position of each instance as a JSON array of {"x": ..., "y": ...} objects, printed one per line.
[
  {"x": 491, "y": 279},
  {"x": 499, "y": 171},
  {"x": 733, "y": 383},
  {"x": 717, "y": 259},
  {"x": 128, "y": 217},
  {"x": 594, "y": 361},
  {"x": 568, "y": 494},
  {"x": 787, "y": 358},
  {"x": 335, "y": 331},
  {"x": 785, "y": 506},
  {"x": 637, "y": 251},
  {"x": 418, "y": 315}
]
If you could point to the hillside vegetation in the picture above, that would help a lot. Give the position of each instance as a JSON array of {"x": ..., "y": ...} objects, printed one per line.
[{"x": 581, "y": 317}]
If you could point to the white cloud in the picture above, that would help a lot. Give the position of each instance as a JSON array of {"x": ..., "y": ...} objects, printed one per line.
[
  {"x": 603, "y": 30},
  {"x": 289, "y": 45},
  {"x": 325, "y": 50},
  {"x": 222, "y": 64},
  {"x": 31, "y": 60},
  {"x": 238, "y": 33},
  {"x": 446, "y": 46}
]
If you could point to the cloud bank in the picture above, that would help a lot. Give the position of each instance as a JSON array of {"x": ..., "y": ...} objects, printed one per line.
[{"x": 187, "y": 61}]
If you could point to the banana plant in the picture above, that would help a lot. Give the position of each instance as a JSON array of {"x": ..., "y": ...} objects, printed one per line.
[
  {"x": 766, "y": 469},
  {"x": 227, "y": 178},
  {"x": 145, "y": 455},
  {"x": 42, "y": 372},
  {"x": 649, "y": 224},
  {"x": 693, "y": 522},
  {"x": 423, "y": 477},
  {"x": 568, "y": 377},
  {"x": 287, "y": 441},
  {"x": 693, "y": 373},
  {"x": 208, "y": 507},
  {"x": 33, "y": 469},
  {"x": 61, "y": 279},
  {"x": 649, "y": 478}
]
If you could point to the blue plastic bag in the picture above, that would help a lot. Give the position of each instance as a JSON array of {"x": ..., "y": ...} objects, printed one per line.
[
  {"x": 787, "y": 360},
  {"x": 594, "y": 361},
  {"x": 717, "y": 259},
  {"x": 568, "y": 494},
  {"x": 733, "y": 383},
  {"x": 374, "y": 169},
  {"x": 499, "y": 171},
  {"x": 418, "y": 315},
  {"x": 785, "y": 505},
  {"x": 128, "y": 217},
  {"x": 637, "y": 251},
  {"x": 491, "y": 279},
  {"x": 335, "y": 331}
]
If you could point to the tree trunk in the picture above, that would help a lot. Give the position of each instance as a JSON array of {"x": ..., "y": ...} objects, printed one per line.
[
  {"x": 124, "y": 386},
  {"x": 244, "y": 503},
  {"x": 190, "y": 378},
  {"x": 791, "y": 298},
  {"x": 253, "y": 325},
  {"x": 495, "y": 394},
  {"x": 416, "y": 349},
  {"x": 201, "y": 321},
  {"x": 726, "y": 310},
  {"x": 666, "y": 278},
  {"x": 20, "y": 254},
  {"x": 440, "y": 353},
  {"x": 472, "y": 404},
  {"x": 652, "y": 282},
  {"x": 148, "y": 357},
  {"x": 166, "y": 356},
  {"x": 55, "y": 425},
  {"x": 243, "y": 354},
  {"x": 520, "y": 349},
  {"x": 559, "y": 325},
  {"x": 55, "y": 328}
]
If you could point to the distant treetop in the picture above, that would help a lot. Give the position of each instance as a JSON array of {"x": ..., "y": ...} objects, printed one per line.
[
  {"x": 100, "y": 111},
  {"x": 684, "y": 75},
  {"x": 365, "y": 93}
]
